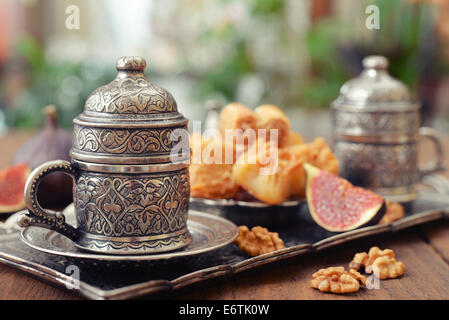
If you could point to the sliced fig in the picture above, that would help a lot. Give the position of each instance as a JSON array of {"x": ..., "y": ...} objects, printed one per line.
[
  {"x": 12, "y": 186},
  {"x": 337, "y": 205}
]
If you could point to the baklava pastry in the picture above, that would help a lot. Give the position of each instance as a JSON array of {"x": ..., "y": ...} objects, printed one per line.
[
  {"x": 211, "y": 171},
  {"x": 272, "y": 117},
  {"x": 265, "y": 173},
  {"x": 212, "y": 181},
  {"x": 294, "y": 139},
  {"x": 317, "y": 153},
  {"x": 240, "y": 122},
  {"x": 322, "y": 156},
  {"x": 299, "y": 154}
]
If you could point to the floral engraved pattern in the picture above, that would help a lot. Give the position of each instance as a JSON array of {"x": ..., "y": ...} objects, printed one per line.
[
  {"x": 377, "y": 121},
  {"x": 124, "y": 205},
  {"x": 148, "y": 246},
  {"x": 124, "y": 141},
  {"x": 131, "y": 95},
  {"x": 378, "y": 166}
]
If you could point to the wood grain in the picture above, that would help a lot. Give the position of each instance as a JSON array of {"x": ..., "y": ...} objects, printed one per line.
[
  {"x": 15, "y": 285},
  {"x": 426, "y": 276},
  {"x": 438, "y": 238}
]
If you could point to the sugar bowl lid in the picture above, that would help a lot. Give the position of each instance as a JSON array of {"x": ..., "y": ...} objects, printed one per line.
[
  {"x": 128, "y": 121},
  {"x": 374, "y": 86}
]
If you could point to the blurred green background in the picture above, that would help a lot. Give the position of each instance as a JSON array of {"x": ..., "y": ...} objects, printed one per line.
[{"x": 293, "y": 53}]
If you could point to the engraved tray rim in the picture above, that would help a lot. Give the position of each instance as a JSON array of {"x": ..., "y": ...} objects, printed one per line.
[
  {"x": 231, "y": 269},
  {"x": 249, "y": 204},
  {"x": 220, "y": 229}
]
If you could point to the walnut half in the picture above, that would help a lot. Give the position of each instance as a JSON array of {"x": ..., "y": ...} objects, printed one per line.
[
  {"x": 337, "y": 280},
  {"x": 382, "y": 263},
  {"x": 358, "y": 261},
  {"x": 258, "y": 241}
]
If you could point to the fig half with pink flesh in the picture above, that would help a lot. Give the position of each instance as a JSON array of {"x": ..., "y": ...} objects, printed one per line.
[
  {"x": 337, "y": 205},
  {"x": 12, "y": 186}
]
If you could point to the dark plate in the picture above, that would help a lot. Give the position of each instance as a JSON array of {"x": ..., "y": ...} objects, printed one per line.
[{"x": 251, "y": 213}]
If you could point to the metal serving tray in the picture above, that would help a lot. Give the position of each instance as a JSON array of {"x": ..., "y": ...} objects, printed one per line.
[{"x": 151, "y": 277}]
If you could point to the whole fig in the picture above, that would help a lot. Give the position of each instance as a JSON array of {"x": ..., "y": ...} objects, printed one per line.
[{"x": 51, "y": 143}]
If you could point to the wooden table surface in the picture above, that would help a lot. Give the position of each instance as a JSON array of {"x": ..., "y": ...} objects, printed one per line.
[{"x": 424, "y": 251}]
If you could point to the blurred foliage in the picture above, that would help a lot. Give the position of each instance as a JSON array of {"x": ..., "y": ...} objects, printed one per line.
[
  {"x": 334, "y": 46},
  {"x": 267, "y": 6},
  {"x": 326, "y": 72},
  {"x": 220, "y": 46},
  {"x": 407, "y": 37},
  {"x": 62, "y": 83},
  {"x": 224, "y": 78}
]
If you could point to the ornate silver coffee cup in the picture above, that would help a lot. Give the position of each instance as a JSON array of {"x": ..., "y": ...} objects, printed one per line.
[
  {"x": 130, "y": 195},
  {"x": 376, "y": 131}
]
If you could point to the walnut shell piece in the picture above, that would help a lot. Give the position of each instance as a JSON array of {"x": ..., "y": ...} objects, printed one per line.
[
  {"x": 258, "y": 241},
  {"x": 386, "y": 268},
  {"x": 358, "y": 261},
  {"x": 376, "y": 252},
  {"x": 382, "y": 263},
  {"x": 337, "y": 280},
  {"x": 358, "y": 276}
]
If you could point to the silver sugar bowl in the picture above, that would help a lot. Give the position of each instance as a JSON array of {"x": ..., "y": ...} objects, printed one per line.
[
  {"x": 131, "y": 195},
  {"x": 376, "y": 127}
]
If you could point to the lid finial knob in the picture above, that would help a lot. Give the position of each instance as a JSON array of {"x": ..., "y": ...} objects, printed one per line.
[
  {"x": 131, "y": 63},
  {"x": 375, "y": 62}
]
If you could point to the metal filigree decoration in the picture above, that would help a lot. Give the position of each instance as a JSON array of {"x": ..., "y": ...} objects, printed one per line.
[
  {"x": 149, "y": 245},
  {"x": 378, "y": 166},
  {"x": 124, "y": 141},
  {"x": 38, "y": 216},
  {"x": 131, "y": 195},
  {"x": 378, "y": 122},
  {"x": 131, "y": 95},
  {"x": 124, "y": 205},
  {"x": 376, "y": 130}
]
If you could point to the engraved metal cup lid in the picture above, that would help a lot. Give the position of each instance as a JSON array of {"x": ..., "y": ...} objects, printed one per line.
[
  {"x": 375, "y": 107},
  {"x": 128, "y": 121},
  {"x": 373, "y": 86},
  {"x": 130, "y": 94}
]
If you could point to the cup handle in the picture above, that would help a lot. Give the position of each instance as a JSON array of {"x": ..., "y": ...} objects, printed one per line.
[
  {"x": 437, "y": 163},
  {"x": 36, "y": 215}
]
